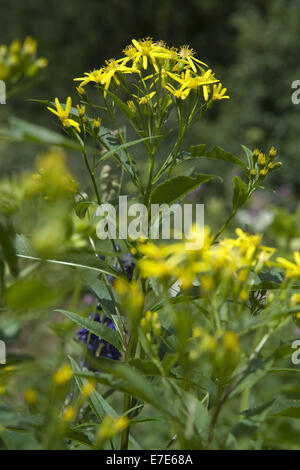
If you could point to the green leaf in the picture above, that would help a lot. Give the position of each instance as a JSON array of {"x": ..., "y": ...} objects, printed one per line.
[
  {"x": 177, "y": 188},
  {"x": 240, "y": 192},
  {"x": 285, "y": 407},
  {"x": 112, "y": 141},
  {"x": 100, "y": 406},
  {"x": 216, "y": 153},
  {"x": 116, "y": 150},
  {"x": 182, "y": 156},
  {"x": 99, "y": 329},
  {"x": 30, "y": 294},
  {"x": 82, "y": 207},
  {"x": 249, "y": 155},
  {"x": 75, "y": 259},
  {"x": 22, "y": 131},
  {"x": 122, "y": 106}
]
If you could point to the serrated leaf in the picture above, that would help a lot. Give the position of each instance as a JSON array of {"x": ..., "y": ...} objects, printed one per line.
[
  {"x": 240, "y": 192},
  {"x": 216, "y": 153}
]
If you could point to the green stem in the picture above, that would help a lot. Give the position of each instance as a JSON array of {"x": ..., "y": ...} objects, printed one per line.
[{"x": 130, "y": 353}]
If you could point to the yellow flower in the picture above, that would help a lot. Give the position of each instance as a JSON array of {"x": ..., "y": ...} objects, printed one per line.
[
  {"x": 68, "y": 414},
  {"x": 63, "y": 375},
  {"x": 81, "y": 110},
  {"x": 261, "y": 159},
  {"x": 219, "y": 93},
  {"x": 181, "y": 93},
  {"x": 207, "y": 283},
  {"x": 186, "y": 54},
  {"x": 41, "y": 63},
  {"x": 291, "y": 269},
  {"x": 94, "y": 76},
  {"x": 110, "y": 427},
  {"x": 145, "y": 99},
  {"x": 110, "y": 71},
  {"x": 31, "y": 396},
  {"x": 97, "y": 123},
  {"x": 88, "y": 388},
  {"x": 295, "y": 299},
  {"x": 145, "y": 50},
  {"x": 243, "y": 295},
  {"x": 131, "y": 106},
  {"x": 231, "y": 341},
  {"x": 63, "y": 114},
  {"x": 189, "y": 82},
  {"x": 272, "y": 152},
  {"x": 29, "y": 46}
]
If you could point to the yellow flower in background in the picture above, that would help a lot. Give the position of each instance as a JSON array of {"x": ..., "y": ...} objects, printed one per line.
[
  {"x": 63, "y": 375},
  {"x": 63, "y": 114},
  {"x": 29, "y": 46},
  {"x": 31, "y": 396},
  {"x": 52, "y": 178},
  {"x": 88, "y": 388},
  {"x": 68, "y": 414},
  {"x": 110, "y": 427},
  {"x": 291, "y": 269}
]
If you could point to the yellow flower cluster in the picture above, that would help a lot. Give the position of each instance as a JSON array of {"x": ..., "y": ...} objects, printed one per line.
[
  {"x": 52, "y": 178},
  {"x": 178, "y": 70},
  {"x": 110, "y": 427},
  {"x": 150, "y": 325},
  {"x": 231, "y": 259},
  {"x": 223, "y": 349},
  {"x": 263, "y": 164},
  {"x": 18, "y": 60}
]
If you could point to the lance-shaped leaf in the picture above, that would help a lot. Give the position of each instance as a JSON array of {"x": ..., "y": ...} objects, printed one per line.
[
  {"x": 99, "y": 329},
  {"x": 22, "y": 131},
  {"x": 83, "y": 260}
]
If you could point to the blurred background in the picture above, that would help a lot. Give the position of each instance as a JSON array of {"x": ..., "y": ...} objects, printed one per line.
[{"x": 251, "y": 45}]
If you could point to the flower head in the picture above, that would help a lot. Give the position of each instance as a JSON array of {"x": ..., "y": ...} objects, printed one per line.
[{"x": 63, "y": 114}]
